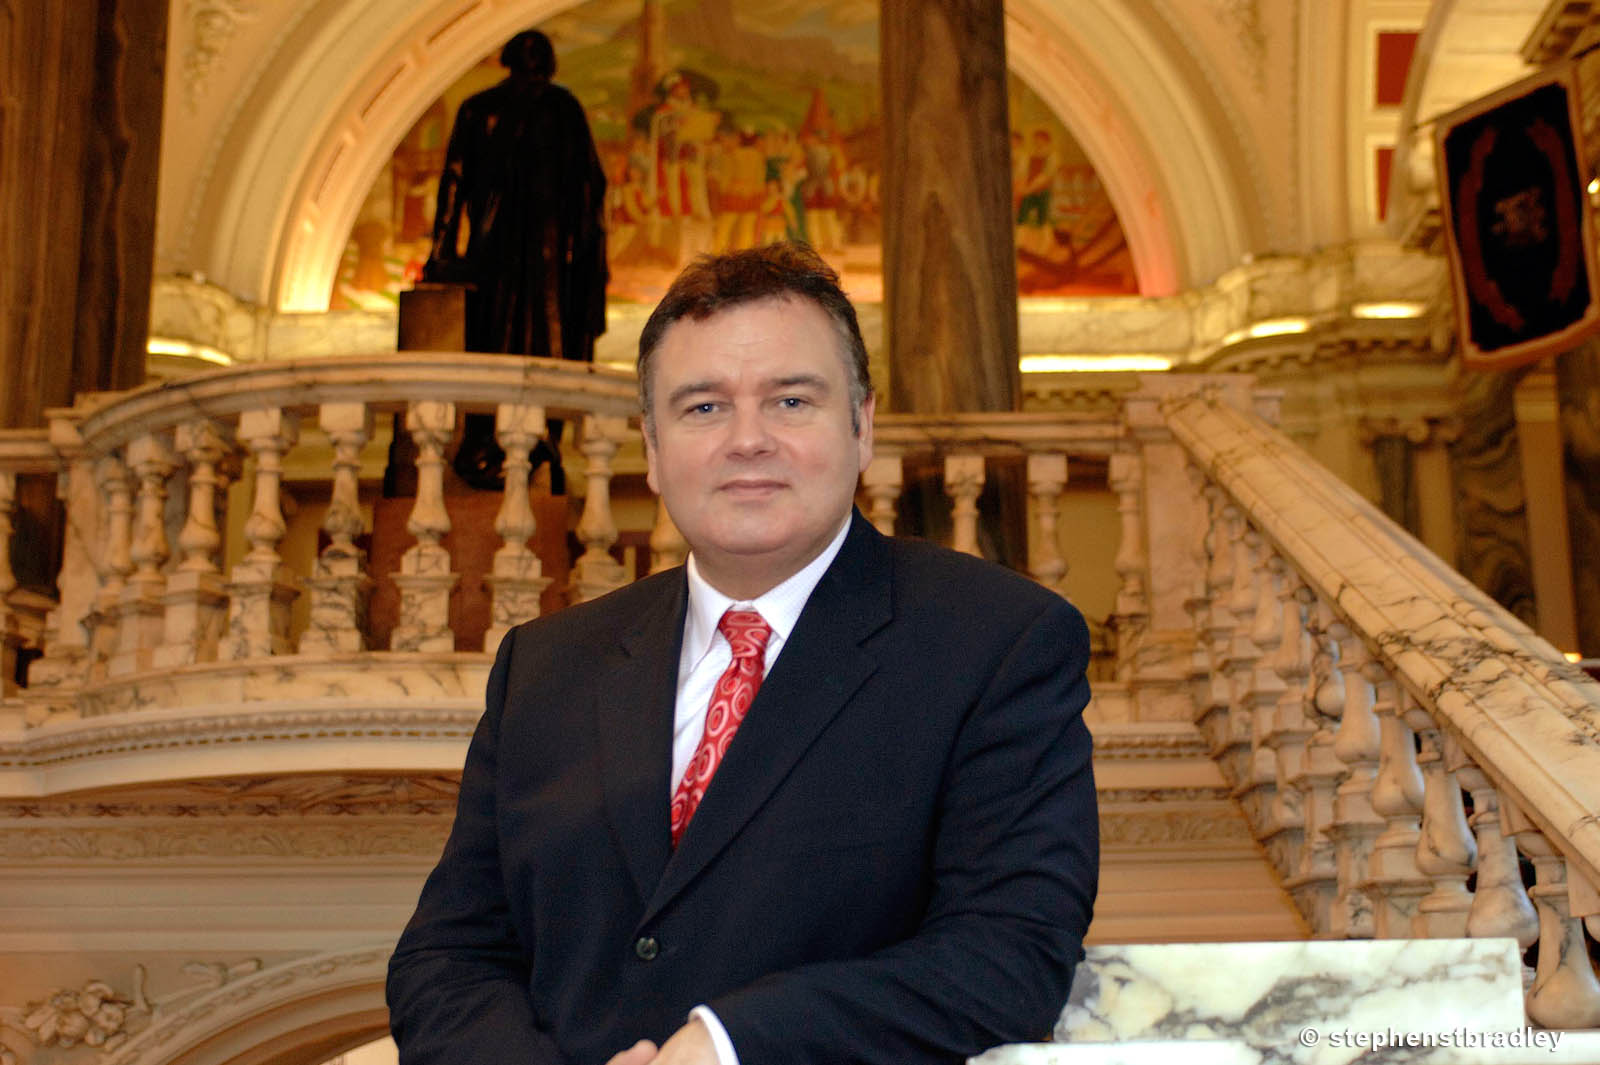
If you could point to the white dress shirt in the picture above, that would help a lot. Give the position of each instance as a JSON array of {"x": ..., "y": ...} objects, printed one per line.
[{"x": 704, "y": 658}]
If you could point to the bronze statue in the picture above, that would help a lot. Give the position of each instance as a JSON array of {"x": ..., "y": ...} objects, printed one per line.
[{"x": 522, "y": 167}]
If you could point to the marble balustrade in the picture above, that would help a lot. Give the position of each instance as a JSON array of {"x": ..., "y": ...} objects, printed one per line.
[
  {"x": 180, "y": 578},
  {"x": 1404, "y": 748}
]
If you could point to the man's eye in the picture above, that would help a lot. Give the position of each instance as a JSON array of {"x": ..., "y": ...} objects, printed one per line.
[
  {"x": 703, "y": 408},
  {"x": 792, "y": 402}
]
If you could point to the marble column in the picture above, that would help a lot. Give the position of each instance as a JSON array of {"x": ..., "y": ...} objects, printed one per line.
[
  {"x": 80, "y": 104},
  {"x": 1544, "y": 485},
  {"x": 949, "y": 265}
]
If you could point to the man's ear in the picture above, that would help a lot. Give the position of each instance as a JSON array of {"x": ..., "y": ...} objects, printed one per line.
[
  {"x": 650, "y": 456},
  {"x": 869, "y": 407}
]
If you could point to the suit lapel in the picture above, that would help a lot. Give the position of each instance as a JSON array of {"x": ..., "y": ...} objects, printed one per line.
[
  {"x": 633, "y": 714},
  {"x": 820, "y": 667}
]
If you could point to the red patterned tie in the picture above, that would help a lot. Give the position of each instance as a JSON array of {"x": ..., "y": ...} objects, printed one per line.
[{"x": 747, "y": 633}]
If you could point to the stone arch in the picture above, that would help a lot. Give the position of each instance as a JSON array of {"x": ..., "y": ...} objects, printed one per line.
[
  {"x": 343, "y": 85},
  {"x": 309, "y": 1009}
]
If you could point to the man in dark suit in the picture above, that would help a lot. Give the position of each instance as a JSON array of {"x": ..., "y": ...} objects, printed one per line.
[{"x": 818, "y": 796}]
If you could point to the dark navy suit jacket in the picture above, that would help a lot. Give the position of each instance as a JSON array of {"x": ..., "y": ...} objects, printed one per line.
[{"x": 896, "y": 861}]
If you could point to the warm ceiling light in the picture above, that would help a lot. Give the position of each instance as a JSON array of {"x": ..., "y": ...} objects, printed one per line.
[
  {"x": 184, "y": 349},
  {"x": 1394, "y": 309},
  {"x": 1094, "y": 363},
  {"x": 1594, "y": 186},
  {"x": 1270, "y": 327},
  {"x": 1573, "y": 656}
]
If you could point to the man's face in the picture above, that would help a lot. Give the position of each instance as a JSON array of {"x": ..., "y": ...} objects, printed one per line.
[{"x": 753, "y": 451}]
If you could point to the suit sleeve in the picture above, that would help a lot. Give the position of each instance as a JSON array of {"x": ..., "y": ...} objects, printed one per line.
[
  {"x": 1015, "y": 867},
  {"x": 458, "y": 980}
]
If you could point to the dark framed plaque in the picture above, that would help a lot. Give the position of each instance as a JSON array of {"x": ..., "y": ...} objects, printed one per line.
[{"x": 1517, "y": 228}]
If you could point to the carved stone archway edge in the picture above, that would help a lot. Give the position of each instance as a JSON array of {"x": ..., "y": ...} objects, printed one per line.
[
  {"x": 346, "y": 81},
  {"x": 308, "y": 1009}
]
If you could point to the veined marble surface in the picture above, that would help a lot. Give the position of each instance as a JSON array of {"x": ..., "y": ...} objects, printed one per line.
[
  {"x": 1540, "y": 1048},
  {"x": 1307, "y": 1003},
  {"x": 1266, "y": 994}
]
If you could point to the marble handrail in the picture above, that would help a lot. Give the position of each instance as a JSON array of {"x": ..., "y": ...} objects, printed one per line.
[{"x": 1364, "y": 689}]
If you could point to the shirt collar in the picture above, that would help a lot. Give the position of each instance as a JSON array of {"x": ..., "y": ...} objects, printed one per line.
[{"x": 780, "y": 606}]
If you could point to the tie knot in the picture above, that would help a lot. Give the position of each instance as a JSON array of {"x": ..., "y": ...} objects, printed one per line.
[{"x": 746, "y": 631}]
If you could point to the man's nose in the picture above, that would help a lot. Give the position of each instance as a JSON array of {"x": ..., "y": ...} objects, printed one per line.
[{"x": 748, "y": 431}]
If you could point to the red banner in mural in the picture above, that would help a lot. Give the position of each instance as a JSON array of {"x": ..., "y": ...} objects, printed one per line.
[{"x": 1520, "y": 242}]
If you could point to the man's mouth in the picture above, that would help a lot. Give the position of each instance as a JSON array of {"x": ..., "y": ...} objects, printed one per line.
[{"x": 751, "y": 486}]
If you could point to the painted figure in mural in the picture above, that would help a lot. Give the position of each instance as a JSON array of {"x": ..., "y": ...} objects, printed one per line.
[{"x": 522, "y": 168}]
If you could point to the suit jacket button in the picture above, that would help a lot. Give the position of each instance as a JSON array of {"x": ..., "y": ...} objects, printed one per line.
[{"x": 647, "y": 948}]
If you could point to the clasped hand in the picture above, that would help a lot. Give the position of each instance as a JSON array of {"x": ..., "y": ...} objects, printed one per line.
[{"x": 689, "y": 1045}]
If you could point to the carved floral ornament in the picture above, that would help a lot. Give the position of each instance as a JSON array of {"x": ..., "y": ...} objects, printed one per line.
[
  {"x": 95, "y": 1016},
  {"x": 98, "y": 1016}
]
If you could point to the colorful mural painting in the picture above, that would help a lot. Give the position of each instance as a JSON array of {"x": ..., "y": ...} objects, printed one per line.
[{"x": 724, "y": 125}]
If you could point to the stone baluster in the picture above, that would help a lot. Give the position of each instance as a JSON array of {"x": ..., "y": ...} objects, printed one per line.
[
  {"x": 1583, "y": 900},
  {"x": 105, "y": 621},
  {"x": 667, "y": 546},
  {"x": 1215, "y": 625},
  {"x": 11, "y": 637},
  {"x": 338, "y": 588},
  {"x": 1446, "y": 850},
  {"x": 425, "y": 579},
  {"x": 1260, "y": 783},
  {"x": 1132, "y": 611},
  {"x": 197, "y": 599},
  {"x": 140, "y": 625},
  {"x": 517, "y": 579},
  {"x": 1356, "y": 825},
  {"x": 1397, "y": 883},
  {"x": 64, "y": 667},
  {"x": 1238, "y": 662},
  {"x": 1500, "y": 905},
  {"x": 1291, "y": 729},
  {"x": 1315, "y": 886},
  {"x": 963, "y": 483},
  {"x": 1047, "y": 479},
  {"x": 261, "y": 589},
  {"x": 1564, "y": 993},
  {"x": 883, "y": 479},
  {"x": 596, "y": 572}
]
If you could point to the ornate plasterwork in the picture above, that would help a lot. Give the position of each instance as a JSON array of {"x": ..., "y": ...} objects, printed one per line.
[
  {"x": 421, "y": 838},
  {"x": 212, "y": 27},
  {"x": 330, "y": 816},
  {"x": 1141, "y": 827},
  {"x": 99, "y": 1016},
  {"x": 128, "y": 733},
  {"x": 1244, "y": 18}
]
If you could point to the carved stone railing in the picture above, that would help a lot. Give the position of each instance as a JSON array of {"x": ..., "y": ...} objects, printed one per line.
[
  {"x": 193, "y": 616},
  {"x": 1390, "y": 731}
]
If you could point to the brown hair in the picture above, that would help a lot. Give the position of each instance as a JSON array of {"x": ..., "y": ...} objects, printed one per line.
[{"x": 714, "y": 283}]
